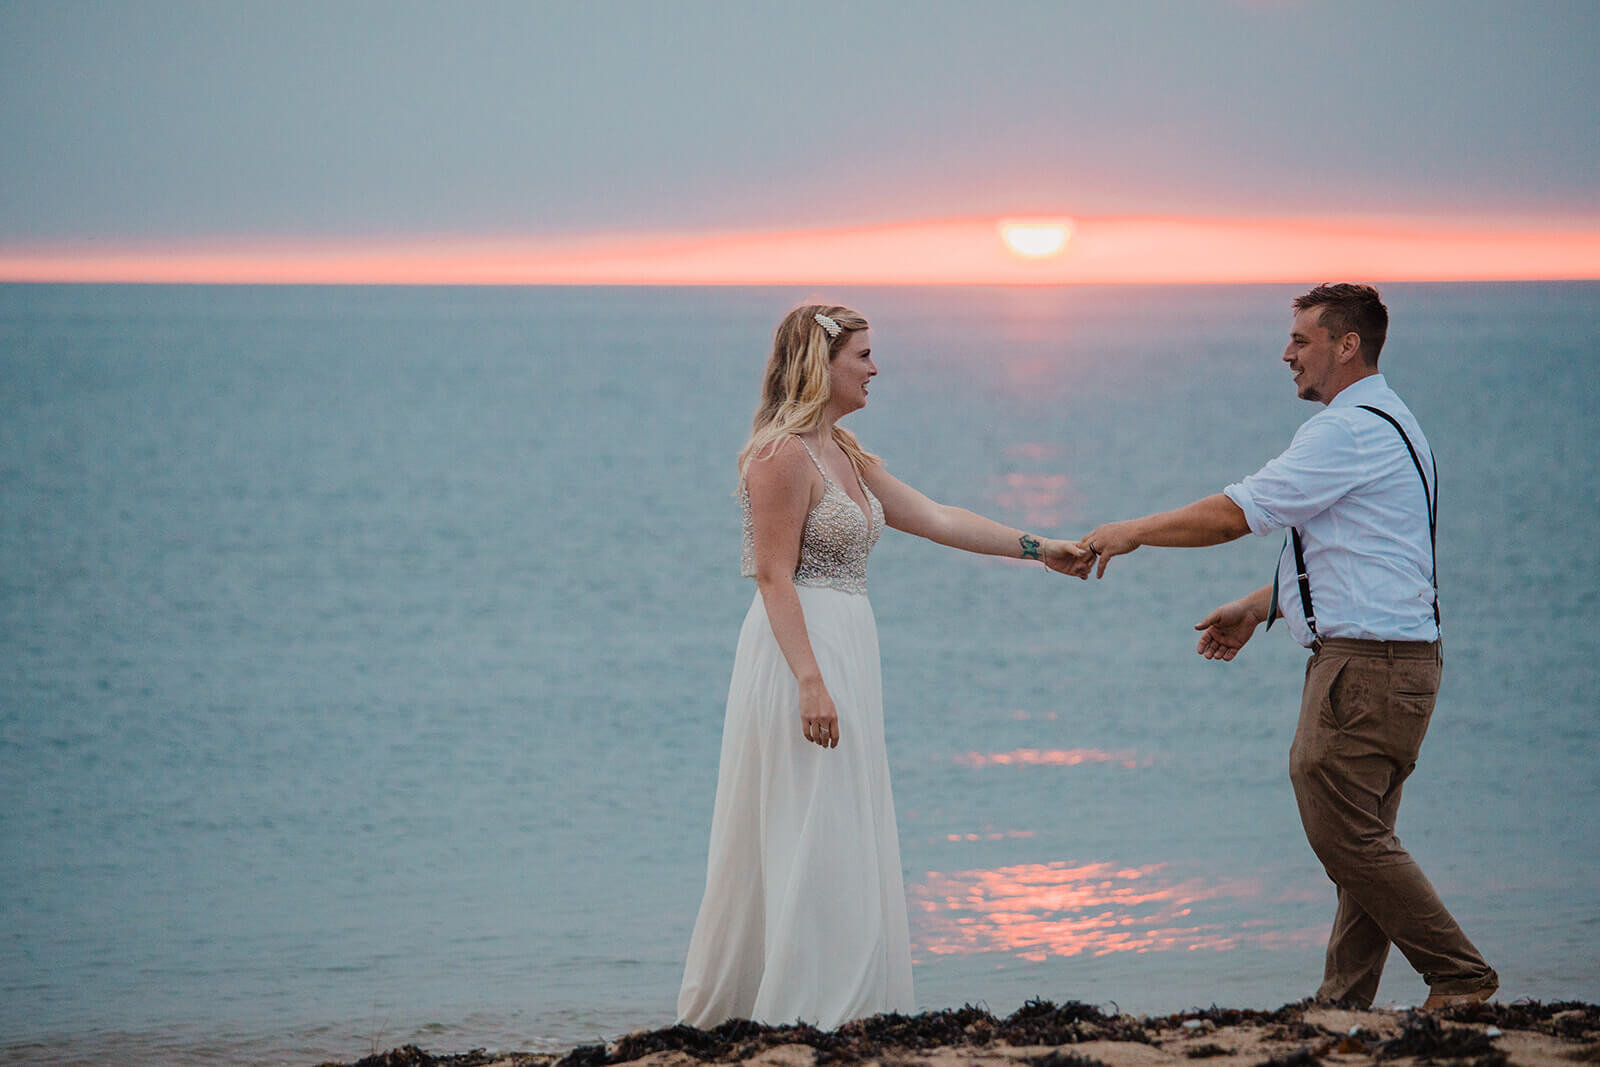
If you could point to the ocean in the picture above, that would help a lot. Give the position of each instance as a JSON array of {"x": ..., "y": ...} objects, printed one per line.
[{"x": 365, "y": 649}]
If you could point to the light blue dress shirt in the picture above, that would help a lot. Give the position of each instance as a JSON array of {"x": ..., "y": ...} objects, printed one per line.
[{"x": 1347, "y": 483}]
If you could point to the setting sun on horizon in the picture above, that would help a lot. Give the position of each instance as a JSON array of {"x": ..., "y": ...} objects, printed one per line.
[{"x": 1036, "y": 238}]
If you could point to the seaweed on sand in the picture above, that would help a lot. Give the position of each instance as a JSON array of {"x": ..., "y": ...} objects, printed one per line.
[
  {"x": 1301, "y": 1057},
  {"x": 1039, "y": 1022},
  {"x": 735, "y": 1039},
  {"x": 1289, "y": 1013},
  {"x": 1042, "y": 1023},
  {"x": 1058, "y": 1058},
  {"x": 1425, "y": 1038},
  {"x": 869, "y": 1038},
  {"x": 1562, "y": 1018},
  {"x": 1297, "y": 1030},
  {"x": 701, "y": 1044},
  {"x": 412, "y": 1056},
  {"x": 1286, "y": 1023}
]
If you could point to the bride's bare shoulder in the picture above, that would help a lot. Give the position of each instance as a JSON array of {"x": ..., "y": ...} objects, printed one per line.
[{"x": 781, "y": 465}]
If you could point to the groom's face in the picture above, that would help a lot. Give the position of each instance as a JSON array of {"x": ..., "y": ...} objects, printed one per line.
[{"x": 1311, "y": 355}]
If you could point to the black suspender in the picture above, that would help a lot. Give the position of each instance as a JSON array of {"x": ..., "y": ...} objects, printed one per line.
[
  {"x": 1305, "y": 589},
  {"x": 1430, "y": 498}
]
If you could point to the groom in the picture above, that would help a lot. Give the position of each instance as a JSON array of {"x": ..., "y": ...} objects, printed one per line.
[{"x": 1355, "y": 583}]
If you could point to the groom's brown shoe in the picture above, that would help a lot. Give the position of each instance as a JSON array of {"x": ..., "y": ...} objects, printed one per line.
[{"x": 1436, "y": 1001}]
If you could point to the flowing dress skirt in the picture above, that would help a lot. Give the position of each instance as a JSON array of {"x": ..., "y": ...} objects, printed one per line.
[{"x": 804, "y": 915}]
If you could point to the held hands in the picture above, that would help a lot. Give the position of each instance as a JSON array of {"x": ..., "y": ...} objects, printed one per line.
[
  {"x": 818, "y": 715},
  {"x": 1066, "y": 557},
  {"x": 1226, "y": 630},
  {"x": 1105, "y": 541}
]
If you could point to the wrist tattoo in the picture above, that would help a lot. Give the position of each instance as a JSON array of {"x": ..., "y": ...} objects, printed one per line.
[{"x": 1030, "y": 546}]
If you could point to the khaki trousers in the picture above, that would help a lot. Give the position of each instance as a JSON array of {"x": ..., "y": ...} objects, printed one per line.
[{"x": 1363, "y": 714}]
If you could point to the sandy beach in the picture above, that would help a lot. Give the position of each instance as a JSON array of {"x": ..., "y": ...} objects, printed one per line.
[{"x": 1041, "y": 1034}]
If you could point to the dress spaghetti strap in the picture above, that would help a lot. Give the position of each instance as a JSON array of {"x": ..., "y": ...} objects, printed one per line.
[{"x": 814, "y": 458}]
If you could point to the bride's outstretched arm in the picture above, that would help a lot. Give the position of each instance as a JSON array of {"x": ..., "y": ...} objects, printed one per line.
[
  {"x": 781, "y": 486},
  {"x": 911, "y": 512}
]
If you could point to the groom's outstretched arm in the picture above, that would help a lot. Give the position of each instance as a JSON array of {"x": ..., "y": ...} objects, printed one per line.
[
  {"x": 1212, "y": 520},
  {"x": 1230, "y": 626}
]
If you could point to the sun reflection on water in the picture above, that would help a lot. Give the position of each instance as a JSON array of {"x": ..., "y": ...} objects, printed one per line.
[
  {"x": 991, "y": 835},
  {"x": 1034, "y": 450},
  {"x": 1038, "y": 910},
  {"x": 1040, "y": 499},
  {"x": 1046, "y": 757}
]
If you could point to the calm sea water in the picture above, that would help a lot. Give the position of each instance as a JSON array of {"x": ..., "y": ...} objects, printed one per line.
[{"x": 364, "y": 653}]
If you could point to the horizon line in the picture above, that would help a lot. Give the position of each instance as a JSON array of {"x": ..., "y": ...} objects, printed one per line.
[
  {"x": 1308, "y": 279},
  {"x": 1123, "y": 250}
]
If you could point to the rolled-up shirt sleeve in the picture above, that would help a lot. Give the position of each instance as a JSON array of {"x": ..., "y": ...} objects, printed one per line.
[{"x": 1319, "y": 467}]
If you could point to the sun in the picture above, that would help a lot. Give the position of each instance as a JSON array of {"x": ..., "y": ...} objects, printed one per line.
[{"x": 1036, "y": 238}]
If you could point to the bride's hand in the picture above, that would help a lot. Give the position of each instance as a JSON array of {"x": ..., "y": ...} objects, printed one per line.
[{"x": 817, "y": 713}]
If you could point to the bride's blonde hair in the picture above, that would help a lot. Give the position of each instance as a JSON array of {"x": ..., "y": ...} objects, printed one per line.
[{"x": 794, "y": 389}]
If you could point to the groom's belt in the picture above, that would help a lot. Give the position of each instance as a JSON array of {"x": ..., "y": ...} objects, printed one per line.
[{"x": 1356, "y": 646}]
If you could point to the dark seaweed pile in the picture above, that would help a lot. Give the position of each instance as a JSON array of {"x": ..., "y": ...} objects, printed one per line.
[
  {"x": 1040, "y": 1022},
  {"x": 1300, "y": 1057},
  {"x": 1562, "y": 1018},
  {"x": 1057, "y": 1058},
  {"x": 1424, "y": 1037},
  {"x": 1037, "y": 1022},
  {"x": 412, "y": 1056},
  {"x": 1206, "y": 1051}
]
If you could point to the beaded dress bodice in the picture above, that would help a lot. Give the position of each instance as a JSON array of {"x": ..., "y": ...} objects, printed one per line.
[{"x": 835, "y": 542}]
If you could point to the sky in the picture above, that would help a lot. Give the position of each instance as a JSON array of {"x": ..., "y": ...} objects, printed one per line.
[{"x": 704, "y": 140}]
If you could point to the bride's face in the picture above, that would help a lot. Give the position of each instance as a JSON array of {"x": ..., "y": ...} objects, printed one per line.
[{"x": 849, "y": 372}]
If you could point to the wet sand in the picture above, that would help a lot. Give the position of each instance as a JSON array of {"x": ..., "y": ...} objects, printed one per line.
[{"x": 1041, "y": 1034}]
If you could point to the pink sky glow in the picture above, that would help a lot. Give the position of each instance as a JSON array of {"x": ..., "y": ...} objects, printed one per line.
[{"x": 1123, "y": 250}]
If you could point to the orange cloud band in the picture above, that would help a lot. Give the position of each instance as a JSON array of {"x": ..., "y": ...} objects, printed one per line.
[{"x": 940, "y": 252}]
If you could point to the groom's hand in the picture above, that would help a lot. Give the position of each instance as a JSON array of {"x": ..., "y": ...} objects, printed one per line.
[
  {"x": 1111, "y": 539},
  {"x": 1066, "y": 557},
  {"x": 1226, "y": 630}
]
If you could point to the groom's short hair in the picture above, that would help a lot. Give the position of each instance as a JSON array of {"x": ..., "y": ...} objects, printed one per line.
[{"x": 1349, "y": 308}]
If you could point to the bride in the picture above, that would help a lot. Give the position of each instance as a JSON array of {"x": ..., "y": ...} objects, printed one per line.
[{"x": 804, "y": 914}]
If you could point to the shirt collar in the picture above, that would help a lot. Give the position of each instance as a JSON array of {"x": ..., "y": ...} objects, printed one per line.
[{"x": 1360, "y": 391}]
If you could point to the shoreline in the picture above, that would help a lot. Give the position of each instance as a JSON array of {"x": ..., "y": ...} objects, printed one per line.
[{"x": 1042, "y": 1034}]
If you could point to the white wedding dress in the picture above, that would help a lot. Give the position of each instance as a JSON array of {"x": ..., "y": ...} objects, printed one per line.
[{"x": 804, "y": 915}]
